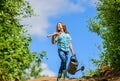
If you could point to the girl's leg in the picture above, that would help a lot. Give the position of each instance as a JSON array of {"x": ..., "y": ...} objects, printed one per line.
[
  {"x": 64, "y": 57},
  {"x": 61, "y": 55},
  {"x": 65, "y": 65}
]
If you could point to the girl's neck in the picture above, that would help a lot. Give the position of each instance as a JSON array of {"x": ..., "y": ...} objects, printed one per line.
[{"x": 62, "y": 31}]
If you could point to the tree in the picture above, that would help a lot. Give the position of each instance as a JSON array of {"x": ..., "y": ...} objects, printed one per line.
[
  {"x": 35, "y": 66},
  {"x": 15, "y": 55},
  {"x": 107, "y": 25}
]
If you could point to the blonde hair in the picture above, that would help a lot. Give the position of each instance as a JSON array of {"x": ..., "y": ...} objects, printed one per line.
[{"x": 64, "y": 27}]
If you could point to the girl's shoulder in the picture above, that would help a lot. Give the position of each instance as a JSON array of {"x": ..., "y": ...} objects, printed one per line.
[{"x": 67, "y": 33}]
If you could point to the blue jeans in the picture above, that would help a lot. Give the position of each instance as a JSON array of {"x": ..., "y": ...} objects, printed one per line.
[{"x": 64, "y": 58}]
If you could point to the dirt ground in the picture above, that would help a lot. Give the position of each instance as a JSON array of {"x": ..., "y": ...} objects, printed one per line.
[
  {"x": 77, "y": 79},
  {"x": 106, "y": 76}
]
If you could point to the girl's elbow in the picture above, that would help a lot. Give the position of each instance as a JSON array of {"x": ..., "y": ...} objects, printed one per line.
[{"x": 53, "y": 42}]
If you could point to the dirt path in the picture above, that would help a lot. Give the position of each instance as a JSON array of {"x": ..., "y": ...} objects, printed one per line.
[
  {"x": 54, "y": 79},
  {"x": 113, "y": 75},
  {"x": 77, "y": 79}
]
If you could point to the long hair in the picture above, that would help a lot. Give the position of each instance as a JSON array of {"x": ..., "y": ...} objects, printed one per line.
[{"x": 64, "y": 27}]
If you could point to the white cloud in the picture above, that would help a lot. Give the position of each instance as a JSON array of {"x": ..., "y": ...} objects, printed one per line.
[
  {"x": 46, "y": 70},
  {"x": 93, "y": 2},
  {"x": 86, "y": 3},
  {"x": 48, "y": 8}
]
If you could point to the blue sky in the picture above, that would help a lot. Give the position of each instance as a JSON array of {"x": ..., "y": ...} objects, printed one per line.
[{"x": 74, "y": 13}]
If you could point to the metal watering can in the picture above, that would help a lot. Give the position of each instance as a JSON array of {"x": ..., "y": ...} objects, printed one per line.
[{"x": 73, "y": 65}]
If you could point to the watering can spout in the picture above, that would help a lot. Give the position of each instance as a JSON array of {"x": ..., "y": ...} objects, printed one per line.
[{"x": 82, "y": 69}]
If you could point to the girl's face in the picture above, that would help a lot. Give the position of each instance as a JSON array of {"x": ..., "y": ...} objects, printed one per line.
[{"x": 60, "y": 27}]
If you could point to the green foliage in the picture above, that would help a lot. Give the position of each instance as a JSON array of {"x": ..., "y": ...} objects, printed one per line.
[
  {"x": 91, "y": 72},
  {"x": 15, "y": 55},
  {"x": 35, "y": 67},
  {"x": 107, "y": 25}
]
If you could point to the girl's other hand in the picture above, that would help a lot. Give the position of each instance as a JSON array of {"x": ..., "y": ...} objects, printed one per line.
[{"x": 74, "y": 54}]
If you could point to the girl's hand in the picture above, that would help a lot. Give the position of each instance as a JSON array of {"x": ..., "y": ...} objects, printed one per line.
[{"x": 73, "y": 54}]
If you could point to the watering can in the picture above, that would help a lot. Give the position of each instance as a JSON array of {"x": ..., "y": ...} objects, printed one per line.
[{"x": 73, "y": 65}]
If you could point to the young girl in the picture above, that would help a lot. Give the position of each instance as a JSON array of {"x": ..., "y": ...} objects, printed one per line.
[{"x": 63, "y": 39}]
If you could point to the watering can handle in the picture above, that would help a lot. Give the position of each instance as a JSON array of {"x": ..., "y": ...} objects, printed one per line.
[{"x": 72, "y": 57}]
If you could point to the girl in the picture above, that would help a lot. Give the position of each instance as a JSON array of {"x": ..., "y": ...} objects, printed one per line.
[{"x": 63, "y": 39}]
